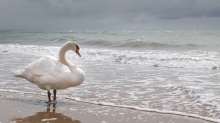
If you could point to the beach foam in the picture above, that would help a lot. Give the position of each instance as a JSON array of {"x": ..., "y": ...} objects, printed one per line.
[{"x": 123, "y": 106}]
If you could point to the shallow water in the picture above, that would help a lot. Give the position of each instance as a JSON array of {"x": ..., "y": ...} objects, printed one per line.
[{"x": 144, "y": 88}]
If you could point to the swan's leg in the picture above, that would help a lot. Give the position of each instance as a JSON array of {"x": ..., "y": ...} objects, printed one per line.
[
  {"x": 48, "y": 94},
  {"x": 54, "y": 95}
]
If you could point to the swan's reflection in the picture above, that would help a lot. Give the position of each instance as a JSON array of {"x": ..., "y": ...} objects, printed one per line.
[{"x": 47, "y": 116}]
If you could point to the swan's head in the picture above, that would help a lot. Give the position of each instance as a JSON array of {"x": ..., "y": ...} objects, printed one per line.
[{"x": 73, "y": 46}]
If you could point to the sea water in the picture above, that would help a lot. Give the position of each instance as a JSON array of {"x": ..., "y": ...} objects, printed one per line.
[{"x": 165, "y": 71}]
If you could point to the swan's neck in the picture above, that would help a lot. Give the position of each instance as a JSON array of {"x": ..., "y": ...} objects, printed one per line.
[{"x": 62, "y": 56}]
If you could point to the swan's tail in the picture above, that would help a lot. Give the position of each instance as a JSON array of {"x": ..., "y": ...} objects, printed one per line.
[{"x": 17, "y": 73}]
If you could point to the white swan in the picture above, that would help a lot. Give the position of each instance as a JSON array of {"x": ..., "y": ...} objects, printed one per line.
[{"x": 49, "y": 73}]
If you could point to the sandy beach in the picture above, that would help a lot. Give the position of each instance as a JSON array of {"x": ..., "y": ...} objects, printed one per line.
[{"x": 29, "y": 108}]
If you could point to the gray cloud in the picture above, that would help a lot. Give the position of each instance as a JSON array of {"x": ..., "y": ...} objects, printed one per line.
[{"x": 110, "y": 14}]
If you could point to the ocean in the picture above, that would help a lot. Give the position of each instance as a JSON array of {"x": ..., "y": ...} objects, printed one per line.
[{"x": 164, "y": 71}]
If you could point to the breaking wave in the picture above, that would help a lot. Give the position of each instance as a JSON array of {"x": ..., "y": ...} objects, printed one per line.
[{"x": 192, "y": 59}]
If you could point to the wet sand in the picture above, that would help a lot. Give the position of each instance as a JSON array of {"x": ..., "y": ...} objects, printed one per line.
[{"x": 30, "y": 108}]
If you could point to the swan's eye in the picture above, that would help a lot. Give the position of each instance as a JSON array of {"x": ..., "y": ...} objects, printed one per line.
[{"x": 77, "y": 47}]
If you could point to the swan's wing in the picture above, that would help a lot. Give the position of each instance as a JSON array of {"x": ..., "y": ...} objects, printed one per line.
[{"x": 45, "y": 66}]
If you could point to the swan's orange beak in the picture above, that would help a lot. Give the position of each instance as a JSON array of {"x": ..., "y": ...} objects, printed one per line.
[{"x": 77, "y": 52}]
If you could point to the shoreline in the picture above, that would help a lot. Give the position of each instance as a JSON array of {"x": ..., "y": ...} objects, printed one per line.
[{"x": 17, "y": 107}]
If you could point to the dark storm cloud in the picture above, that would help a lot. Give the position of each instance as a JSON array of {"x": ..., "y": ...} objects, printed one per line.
[
  {"x": 101, "y": 14},
  {"x": 187, "y": 8}
]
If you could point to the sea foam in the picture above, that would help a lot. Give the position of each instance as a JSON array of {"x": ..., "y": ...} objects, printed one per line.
[{"x": 193, "y": 59}]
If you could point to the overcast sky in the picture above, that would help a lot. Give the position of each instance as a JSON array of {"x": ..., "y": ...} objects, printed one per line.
[{"x": 109, "y": 14}]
